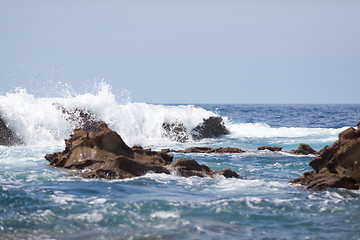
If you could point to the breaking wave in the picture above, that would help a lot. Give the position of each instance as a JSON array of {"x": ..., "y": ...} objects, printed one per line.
[{"x": 38, "y": 120}]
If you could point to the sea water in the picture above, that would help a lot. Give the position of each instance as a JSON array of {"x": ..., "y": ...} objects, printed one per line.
[{"x": 42, "y": 202}]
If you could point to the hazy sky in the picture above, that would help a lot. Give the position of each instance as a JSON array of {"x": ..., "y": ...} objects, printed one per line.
[{"x": 287, "y": 51}]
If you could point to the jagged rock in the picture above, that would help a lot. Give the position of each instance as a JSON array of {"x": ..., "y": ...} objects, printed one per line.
[
  {"x": 273, "y": 149},
  {"x": 220, "y": 150},
  {"x": 337, "y": 166},
  {"x": 103, "y": 154},
  {"x": 304, "y": 149},
  {"x": 209, "y": 128},
  {"x": 7, "y": 137}
]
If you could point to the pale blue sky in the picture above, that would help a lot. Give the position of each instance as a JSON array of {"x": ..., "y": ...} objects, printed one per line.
[{"x": 303, "y": 51}]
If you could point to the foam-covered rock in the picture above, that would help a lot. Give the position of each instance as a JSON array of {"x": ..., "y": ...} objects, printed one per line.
[
  {"x": 210, "y": 128},
  {"x": 7, "y": 137},
  {"x": 336, "y": 166}
]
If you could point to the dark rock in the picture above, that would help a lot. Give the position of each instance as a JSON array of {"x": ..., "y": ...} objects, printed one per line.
[
  {"x": 304, "y": 149},
  {"x": 337, "y": 166},
  {"x": 273, "y": 149},
  {"x": 227, "y": 150},
  {"x": 189, "y": 167},
  {"x": 228, "y": 173},
  {"x": 103, "y": 154},
  {"x": 197, "y": 150},
  {"x": 220, "y": 150},
  {"x": 209, "y": 128},
  {"x": 7, "y": 137}
]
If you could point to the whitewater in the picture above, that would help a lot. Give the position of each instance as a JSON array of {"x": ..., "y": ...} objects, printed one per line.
[{"x": 41, "y": 202}]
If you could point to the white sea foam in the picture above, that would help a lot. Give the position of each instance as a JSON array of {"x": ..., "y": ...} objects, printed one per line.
[
  {"x": 38, "y": 121},
  {"x": 164, "y": 214},
  {"x": 262, "y": 130}
]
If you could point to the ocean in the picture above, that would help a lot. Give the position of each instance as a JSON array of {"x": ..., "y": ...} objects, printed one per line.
[{"x": 42, "y": 202}]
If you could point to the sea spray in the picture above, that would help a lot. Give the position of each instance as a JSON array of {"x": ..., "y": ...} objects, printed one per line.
[{"x": 40, "y": 121}]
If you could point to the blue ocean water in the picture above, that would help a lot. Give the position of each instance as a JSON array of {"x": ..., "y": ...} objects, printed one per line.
[{"x": 41, "y": 202}]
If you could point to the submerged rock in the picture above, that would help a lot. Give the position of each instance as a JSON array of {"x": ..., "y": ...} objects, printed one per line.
[
  {"x": 209, "y": 128},
  {"x": 304, "y": 149},
  {"x": 7, "y": 137},
  {"x": 273, "y": 149},
  {"x": 337, "y": 166},
  {"x": 103, "y": 154}
]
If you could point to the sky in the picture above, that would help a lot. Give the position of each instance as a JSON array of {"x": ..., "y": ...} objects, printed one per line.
[{"x": 199, "y": 51}]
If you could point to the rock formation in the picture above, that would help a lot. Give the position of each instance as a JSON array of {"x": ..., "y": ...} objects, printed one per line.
[
  {"x": 304, "y": 149},
  {"x": 209, "y": 128},
  {"x": 220, "y": 150},
  {"x": 272, "y": 149},
  {"x": 101, "y": 153},
  {"x": 7, "y": 137},
  {"x": 337, "y": 166}
]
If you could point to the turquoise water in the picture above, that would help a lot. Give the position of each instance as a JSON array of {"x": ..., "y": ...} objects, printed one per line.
[{"x": 42, "y": 202}]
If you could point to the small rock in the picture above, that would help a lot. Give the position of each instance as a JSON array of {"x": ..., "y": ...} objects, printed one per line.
[
  {"x": 304, "y": 149},
  {"x": 273, "y": 149}
]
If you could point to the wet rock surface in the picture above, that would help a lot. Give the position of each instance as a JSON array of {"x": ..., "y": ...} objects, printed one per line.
[
  {"x": 304, "y": 149},
  {"x": 103, "y": 154},
  {"x": 7, "y": 137},
  {"x": 210, "y": 128},
  {"x": 337, "y": 166}
]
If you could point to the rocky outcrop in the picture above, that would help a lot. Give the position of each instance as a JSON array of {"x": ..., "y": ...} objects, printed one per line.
[
  {"x": 7, "y": 137},
  {"x": 272, "y": 149},
  {"x": 337, "y": 166},
  {"x": 101, "y": 153},
  {"x": 209, "y": 128},
  {"x": 304, "y": 149},
  {"x": 220, "y": 150}
]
